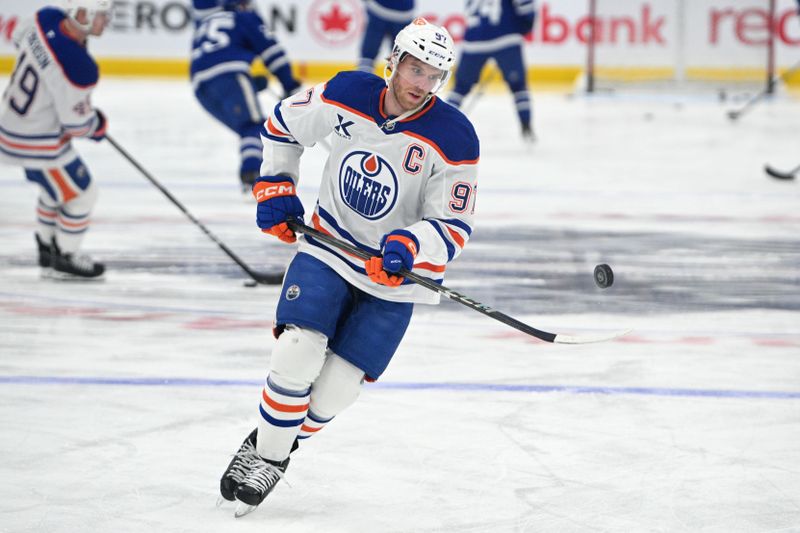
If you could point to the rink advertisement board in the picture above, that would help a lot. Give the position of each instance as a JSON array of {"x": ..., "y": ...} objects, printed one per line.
[{"x": 154, "y": 36}]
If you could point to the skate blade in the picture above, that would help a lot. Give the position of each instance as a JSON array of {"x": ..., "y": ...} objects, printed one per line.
[
  {"x": 70, "y": 278},
  {"x": 221, "y": 501},
  {"x": 243, "y": 509}
]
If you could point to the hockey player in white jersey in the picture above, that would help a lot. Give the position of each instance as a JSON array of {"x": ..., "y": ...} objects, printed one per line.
[
  {"x": 400, "y": 183},
  {"x": 45, "y": 105}
]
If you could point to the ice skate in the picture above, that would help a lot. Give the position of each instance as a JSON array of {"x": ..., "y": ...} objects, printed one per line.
[
  {"x": 74, "y": 267},
  {"x": 243, "y": 461},
  {"x": 45, "y": 257},
  {"x": 528, "y": 136},
  {"x": 258, "y": 483}
]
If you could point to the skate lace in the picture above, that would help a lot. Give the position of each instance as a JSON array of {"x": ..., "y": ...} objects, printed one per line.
[
  {"x": 246, "y": 460},
  {"x": 264, "y": 477},
  {"x": 82, "y": 262}
]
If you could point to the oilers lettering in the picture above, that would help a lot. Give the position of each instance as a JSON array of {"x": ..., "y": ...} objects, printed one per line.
[
  {"x": 366, "y": 196},
  {"x": 367, "y": 184}
]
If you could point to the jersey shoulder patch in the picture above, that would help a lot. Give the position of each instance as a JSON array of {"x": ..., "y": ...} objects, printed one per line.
[{"x": 76, "y": 63}]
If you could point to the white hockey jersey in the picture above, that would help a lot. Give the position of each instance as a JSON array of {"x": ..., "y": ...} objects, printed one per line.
[
  {"x": 47, "y": 99},
  {"x": 420, "y": 175}
]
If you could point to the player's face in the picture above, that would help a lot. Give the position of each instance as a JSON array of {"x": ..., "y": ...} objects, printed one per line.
[{"x": 413, "y": 81}]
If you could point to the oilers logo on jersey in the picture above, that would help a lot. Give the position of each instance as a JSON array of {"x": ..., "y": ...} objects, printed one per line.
[
  {"x": 367, "y": 184},
  {"x": 293, "y": 292}
]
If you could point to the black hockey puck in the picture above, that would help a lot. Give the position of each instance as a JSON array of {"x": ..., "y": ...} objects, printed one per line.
[
  {"x": 250, "y": 283},
  {"x": 779, "y": 175},
  {"x": 603, "y": 276}
]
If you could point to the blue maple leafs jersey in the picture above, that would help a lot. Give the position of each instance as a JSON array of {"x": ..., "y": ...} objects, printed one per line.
[
  {"x": 391, "y": 10},
  {"x": 420, "y": 175},
  {"x": 495, "y": 24},
  {"x": 229, "y": 41}
]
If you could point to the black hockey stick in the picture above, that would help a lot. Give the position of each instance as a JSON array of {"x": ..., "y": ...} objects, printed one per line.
[
  {"x": 734, "y": 114},
  {"x": 781, "y": 175},
  {"x": 263, "y": 278},
  {"x": 546, "y": 336}
]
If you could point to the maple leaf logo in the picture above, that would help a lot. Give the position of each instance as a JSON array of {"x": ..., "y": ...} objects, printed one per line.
[{"x": 335, "y": 20}]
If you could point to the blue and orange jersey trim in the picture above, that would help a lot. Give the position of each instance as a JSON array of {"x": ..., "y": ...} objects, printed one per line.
[
  {"x": 437, "y": 124},
  {"x": 71, "y": 56}
]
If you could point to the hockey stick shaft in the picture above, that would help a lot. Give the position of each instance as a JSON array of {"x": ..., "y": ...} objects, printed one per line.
[
  {"x": 735, "y": 114},
  {"x": 259, "y": 277},
  {"x": 479, "y": 91},
  {"x": 546, "y": 336}
]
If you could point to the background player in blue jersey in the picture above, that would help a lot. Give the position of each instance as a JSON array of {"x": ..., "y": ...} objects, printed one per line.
[
  {"x": 400, "y": 184},
  {"x": 48, "y": 103},
  {"x": 228, "y": 37},
  {"x": 385, "y": 19},
  {"x": 495, "y": 30}
]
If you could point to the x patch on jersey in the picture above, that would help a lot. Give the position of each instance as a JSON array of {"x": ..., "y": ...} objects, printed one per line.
[{"x": 341, "y": 129}]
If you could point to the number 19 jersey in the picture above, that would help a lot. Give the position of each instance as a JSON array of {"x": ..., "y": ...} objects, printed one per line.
[{"x": 47, "y": 100}]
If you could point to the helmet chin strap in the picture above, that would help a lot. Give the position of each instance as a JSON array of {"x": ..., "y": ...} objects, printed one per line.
[{"x": 389, "y": 124}]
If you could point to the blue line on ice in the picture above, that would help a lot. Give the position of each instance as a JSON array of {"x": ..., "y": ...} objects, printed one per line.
[{"x": 442, "y": 386}]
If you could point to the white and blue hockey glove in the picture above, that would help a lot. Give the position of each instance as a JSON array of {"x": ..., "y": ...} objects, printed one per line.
[
  {"x": 277, "y": 202},
  {"x": 399, "y": 249}
]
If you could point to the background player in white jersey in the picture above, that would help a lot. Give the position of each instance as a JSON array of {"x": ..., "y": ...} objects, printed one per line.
[
  {"x": 496, "y": 30},
  {"x": 45, "y": 105},
  {"x": 385, "y": 19},
  {"x": 399, "y": 183},
  {"x": 229, "y": 35}
]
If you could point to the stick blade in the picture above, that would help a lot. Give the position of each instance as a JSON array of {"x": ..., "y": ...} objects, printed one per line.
[
  {"x": 778, "y": 174},
  {"x": 589, "y": 339}
]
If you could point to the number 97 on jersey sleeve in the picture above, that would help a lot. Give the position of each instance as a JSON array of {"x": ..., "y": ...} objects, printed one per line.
[{"x": 462, "y": 195}]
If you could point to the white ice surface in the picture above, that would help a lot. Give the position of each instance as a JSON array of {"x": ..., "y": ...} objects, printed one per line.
[{"x": 121, "y": 402}]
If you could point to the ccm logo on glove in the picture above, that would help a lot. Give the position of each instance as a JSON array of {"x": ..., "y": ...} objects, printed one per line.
[{"x": 265, "y": 190}]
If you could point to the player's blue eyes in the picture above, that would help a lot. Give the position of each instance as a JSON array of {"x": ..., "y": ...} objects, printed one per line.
[{"x": 432, "y": 77}]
